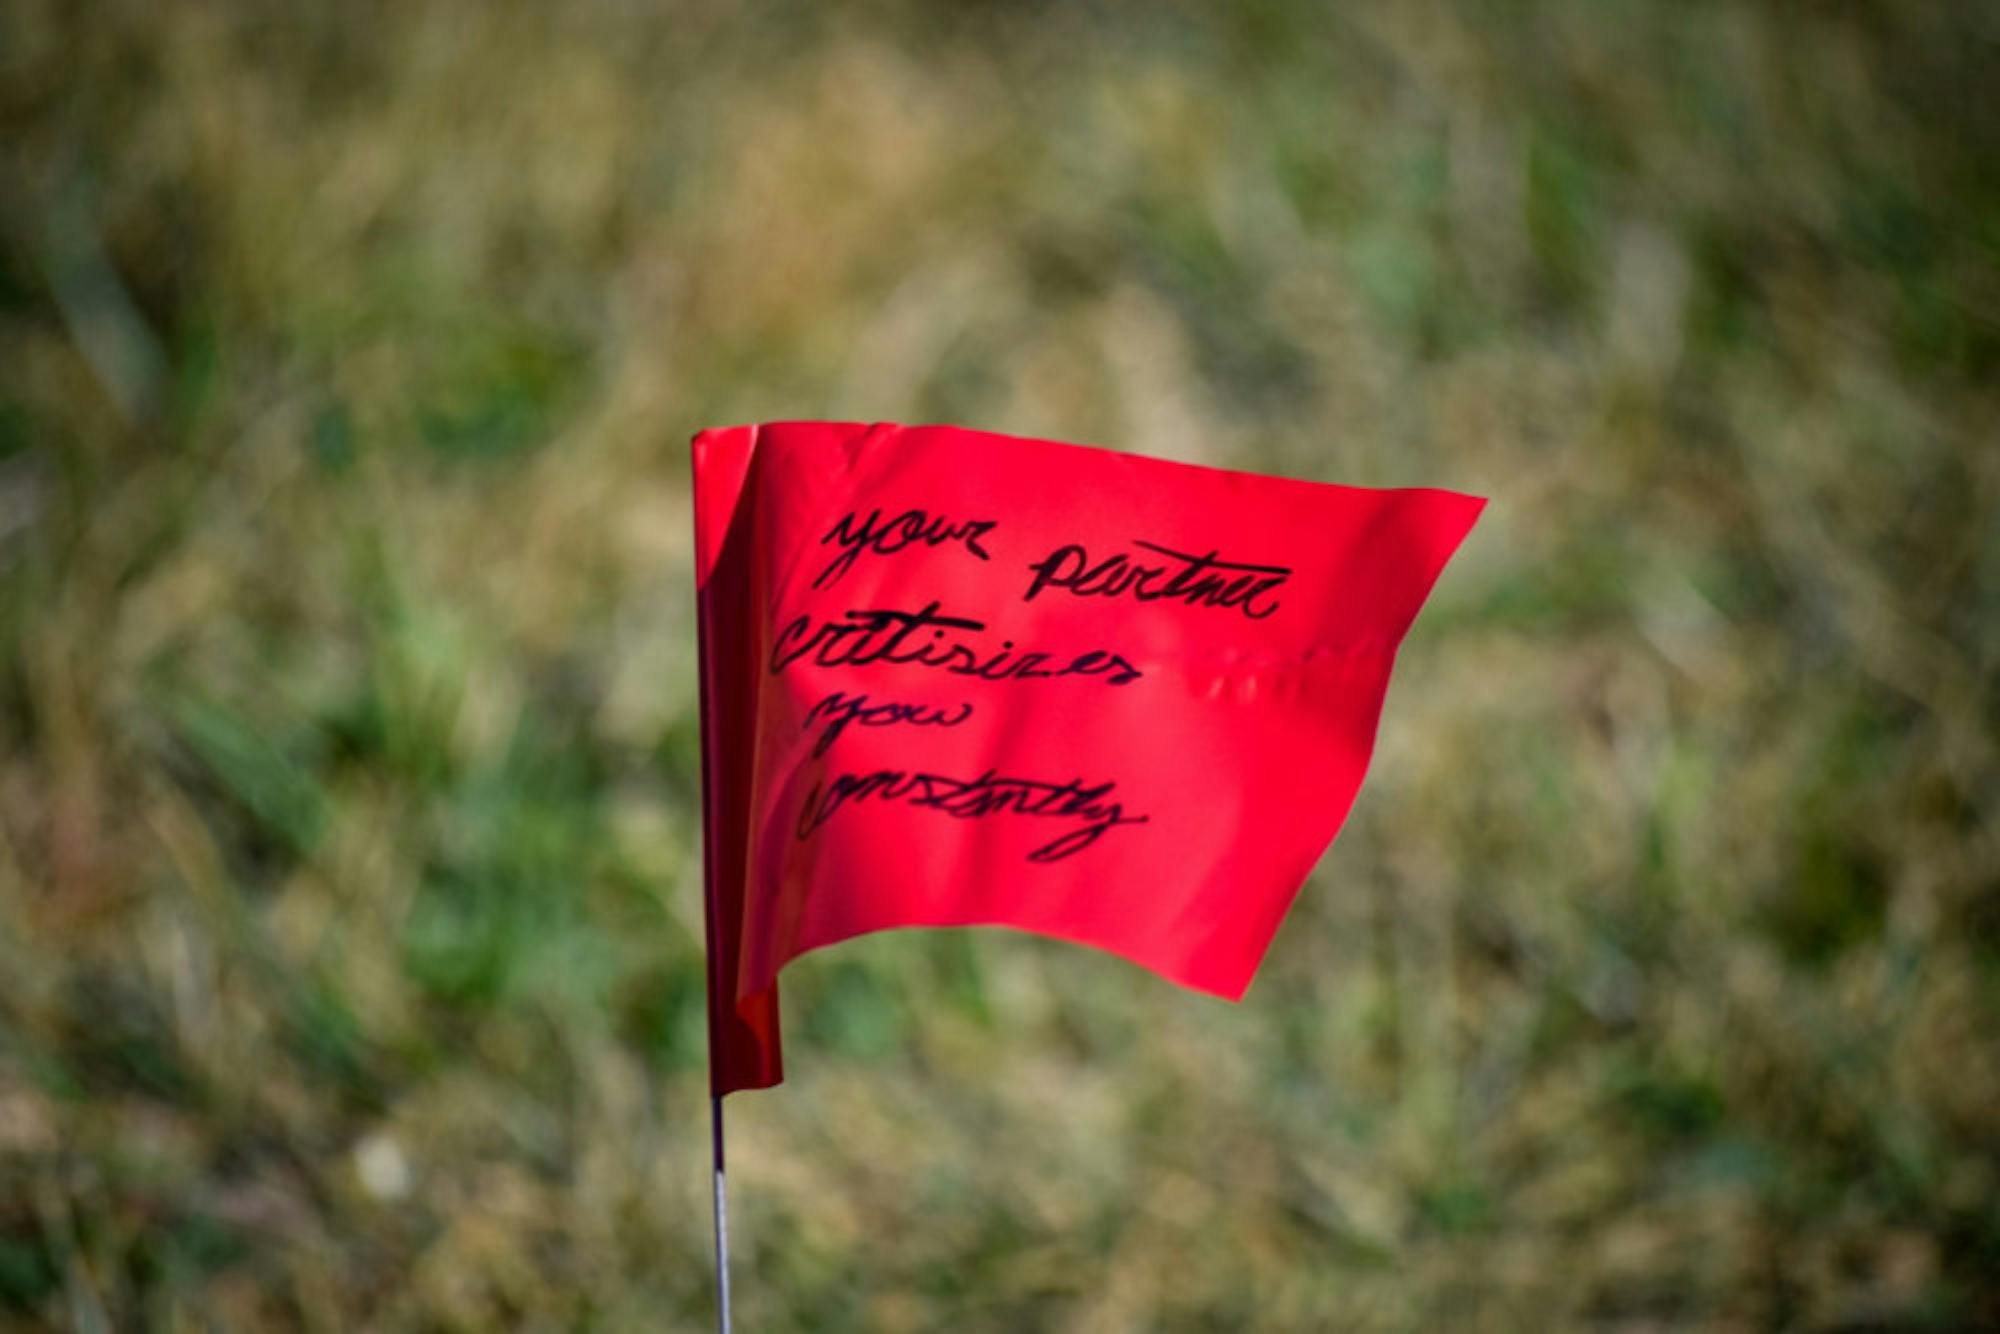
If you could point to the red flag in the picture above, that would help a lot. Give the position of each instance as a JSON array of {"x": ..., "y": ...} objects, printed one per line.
[{"x": 951, "y": 678}]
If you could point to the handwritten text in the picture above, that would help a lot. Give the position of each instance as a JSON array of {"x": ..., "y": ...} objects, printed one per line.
[
  {"x": 928, "y": 638},
  {"x": 975, "y": 798},
  {"x": 840, "y": 710},
  {"x": 1200, "y": 581},
  {"x": 885, "y": 537}
]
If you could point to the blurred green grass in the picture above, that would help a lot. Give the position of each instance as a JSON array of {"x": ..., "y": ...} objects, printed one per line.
[{"x": 350, "y": 962}]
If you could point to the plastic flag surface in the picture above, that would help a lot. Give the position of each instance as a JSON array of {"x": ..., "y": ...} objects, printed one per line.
[{"x": 952, "y": 678}]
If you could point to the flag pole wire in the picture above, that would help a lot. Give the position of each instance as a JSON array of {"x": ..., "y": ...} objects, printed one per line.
[{"x": 721, "y": 1218}]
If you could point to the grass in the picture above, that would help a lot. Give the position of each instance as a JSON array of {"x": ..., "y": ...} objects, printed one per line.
[{"x": 350, "y": 961}]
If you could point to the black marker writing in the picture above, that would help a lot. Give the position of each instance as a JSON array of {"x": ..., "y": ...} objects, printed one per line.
[
  {"x": 841, "y": 710},
  {"x": 1199, "y": 581},
  {"x": 887, "y": 537},
  {"x": 927, "y": 638},
  {"x": 972, "y": 799}
]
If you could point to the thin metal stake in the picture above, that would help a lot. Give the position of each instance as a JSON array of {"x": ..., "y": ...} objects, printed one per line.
[{"x": 721, "y": 1220}]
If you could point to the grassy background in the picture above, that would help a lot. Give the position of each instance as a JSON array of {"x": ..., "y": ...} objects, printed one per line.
[{"x": 349, "y": 916}]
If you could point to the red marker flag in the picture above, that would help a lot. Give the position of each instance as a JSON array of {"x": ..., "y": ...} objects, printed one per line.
[{"x": 951, "y": 678}]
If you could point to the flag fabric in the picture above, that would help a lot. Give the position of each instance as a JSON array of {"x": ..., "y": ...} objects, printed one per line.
[{"x": 953, "y": 678}]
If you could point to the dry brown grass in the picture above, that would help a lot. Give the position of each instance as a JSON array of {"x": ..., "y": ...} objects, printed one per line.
[{"x": 349, "y": 929}]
